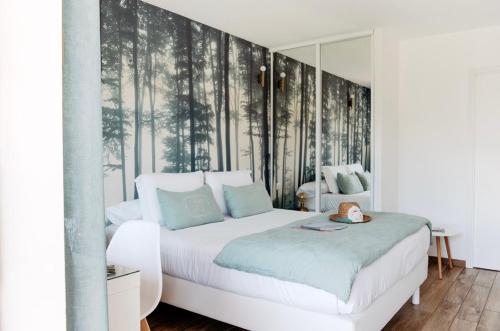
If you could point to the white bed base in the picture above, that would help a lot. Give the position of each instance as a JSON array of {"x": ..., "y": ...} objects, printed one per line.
[{"x": 259, "y": 314}]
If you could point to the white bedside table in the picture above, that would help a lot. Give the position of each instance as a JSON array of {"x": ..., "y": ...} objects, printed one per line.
[
  {"x": 124, "y": 300},
  {"x": 446, "y": 234}
]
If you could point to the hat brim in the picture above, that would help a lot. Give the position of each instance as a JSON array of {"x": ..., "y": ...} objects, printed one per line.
[{"x": 342, "y": 219}]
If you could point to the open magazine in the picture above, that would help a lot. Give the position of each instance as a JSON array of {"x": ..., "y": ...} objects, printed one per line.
[{"x": 323, "y": 226}]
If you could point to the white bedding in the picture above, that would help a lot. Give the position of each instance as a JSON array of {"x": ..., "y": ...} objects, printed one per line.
[
  {"x": 331, "y": 201},
  {"x": 110, "y": 232},
  {"x": 189, "y": 254}
]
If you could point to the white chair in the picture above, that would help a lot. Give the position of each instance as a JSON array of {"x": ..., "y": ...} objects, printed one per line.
[{"x": 136, "y": 244}]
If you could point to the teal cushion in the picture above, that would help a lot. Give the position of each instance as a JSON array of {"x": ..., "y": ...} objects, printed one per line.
[
  {"x": 349, "y": 183},
  {"x": 247, "y": 200},
  {"x": 181, "y": 210},
  {"x": 364, "y": 178}
]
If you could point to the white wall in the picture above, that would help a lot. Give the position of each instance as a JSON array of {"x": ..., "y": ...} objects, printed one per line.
[
  {"x": 32, "y": 284},
  {"x": 434, "y": 154},
  {"x": 385, "y": 119}
]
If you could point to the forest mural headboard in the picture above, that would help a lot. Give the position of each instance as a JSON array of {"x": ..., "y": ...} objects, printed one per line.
[{"x": 177, "y": 96}]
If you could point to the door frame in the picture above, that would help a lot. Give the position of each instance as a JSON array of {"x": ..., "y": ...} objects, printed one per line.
[{"x": 470, "y": 227}]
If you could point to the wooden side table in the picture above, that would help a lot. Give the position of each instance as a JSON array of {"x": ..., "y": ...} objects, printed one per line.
[{"x": 445, "y": 235}]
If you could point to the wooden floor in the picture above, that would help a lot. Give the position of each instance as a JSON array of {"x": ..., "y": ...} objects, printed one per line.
[{"x": 466, "y": 299}]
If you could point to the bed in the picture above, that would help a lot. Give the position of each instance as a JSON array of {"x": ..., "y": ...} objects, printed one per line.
[
  {"x": 193, "y": 279},
  {"x": 194, "y": 282}
]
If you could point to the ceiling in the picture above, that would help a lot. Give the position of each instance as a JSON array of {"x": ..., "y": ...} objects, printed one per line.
[
  {"x": 273, "y": 23},
  {"x": 349, "y": 59}
]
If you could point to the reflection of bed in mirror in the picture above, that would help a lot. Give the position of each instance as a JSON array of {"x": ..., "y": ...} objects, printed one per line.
[
  {"x": 330, "y": 201},
  {"x": 331, "y": 191}
]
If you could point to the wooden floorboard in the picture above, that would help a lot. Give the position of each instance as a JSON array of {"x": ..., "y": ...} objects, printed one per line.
[
  {"x": 476, "y": 299},
  {"x": 461, "y": 325},
  {"x": 408, "y": 318},
  {"x": 493, "y": 302},
  {"x": 442, "y": 317},
  {"x": 461, "y": 287},
  {"x": 490, "y": 320},
  {"x": 474, "y": 303},
  {"x": 485, "y": 278},
  {"x": 464, "y": 300},
  {"x": 496, "y": 283}
]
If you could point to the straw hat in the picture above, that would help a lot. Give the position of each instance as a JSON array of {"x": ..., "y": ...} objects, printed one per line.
[{"x": 350, "y": 212}]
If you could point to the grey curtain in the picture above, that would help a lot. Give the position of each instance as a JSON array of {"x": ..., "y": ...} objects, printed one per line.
[{"x": 86, "y": 297}]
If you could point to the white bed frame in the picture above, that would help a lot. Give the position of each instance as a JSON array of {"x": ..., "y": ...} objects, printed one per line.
[{"x": 259, "y": 314}]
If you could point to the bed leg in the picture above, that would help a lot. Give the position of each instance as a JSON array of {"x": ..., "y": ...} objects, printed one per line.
[{"x": 415, "y": 298}]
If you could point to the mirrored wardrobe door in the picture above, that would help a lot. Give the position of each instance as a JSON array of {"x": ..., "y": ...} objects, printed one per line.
[
  {"x": 294, "y": 128},
  {"x": 346, "y": 123}
]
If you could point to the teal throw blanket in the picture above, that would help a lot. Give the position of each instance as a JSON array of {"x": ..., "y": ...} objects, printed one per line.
[{"x": 325, "y": 260}]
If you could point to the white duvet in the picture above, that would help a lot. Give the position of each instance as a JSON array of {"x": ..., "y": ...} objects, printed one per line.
[{"x": 189, "y": 254}]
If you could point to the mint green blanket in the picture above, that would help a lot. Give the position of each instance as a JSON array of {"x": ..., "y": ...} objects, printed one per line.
[{"x": 326, "y": 260}]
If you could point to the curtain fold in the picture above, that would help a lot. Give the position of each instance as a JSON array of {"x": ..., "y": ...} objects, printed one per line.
[{"x": 86, "y": 297}]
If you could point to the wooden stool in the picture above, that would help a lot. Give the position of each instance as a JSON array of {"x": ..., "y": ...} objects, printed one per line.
[{"x": 438, "y": 236}]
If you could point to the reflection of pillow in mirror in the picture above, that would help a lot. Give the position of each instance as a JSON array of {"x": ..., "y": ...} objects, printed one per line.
[
  {"x": 354, "y": 167},
  {"x": 330, "y": 173},
  {"x": 349, "y": 183},
  {"x": 365, "y": 179},
  {"x": 310, "y": 188}
]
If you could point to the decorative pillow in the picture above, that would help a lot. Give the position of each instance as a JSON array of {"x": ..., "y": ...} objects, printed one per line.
[
  {"x": 124, "y": 211},
  {"x": 247, "y": 200},
  {"x": 349, "y": 183},
  {"x": 181, "y": 210},
  {"x": 233, "y": 178},
  {"x": 310, "y": 188},
  {"x": 330, "y": 173},
  {"x": 365, "y": 179},
  {"x": 354, "y": 167},
  {"x": 174, "y": 182}
]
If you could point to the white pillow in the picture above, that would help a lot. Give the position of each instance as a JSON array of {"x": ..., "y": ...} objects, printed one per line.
[
  {"x": 355, "y": 167},
  {"x": 123, "y": 212},
  {"x": 232, "y": 178},
  {"x": 310, "y": 188},
  {"x": 174, "y": 182},
  {"x": 330, "y": 173}
]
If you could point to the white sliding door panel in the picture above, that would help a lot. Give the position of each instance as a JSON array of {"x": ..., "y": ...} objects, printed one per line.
[{"x": 487, "y": 179}]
